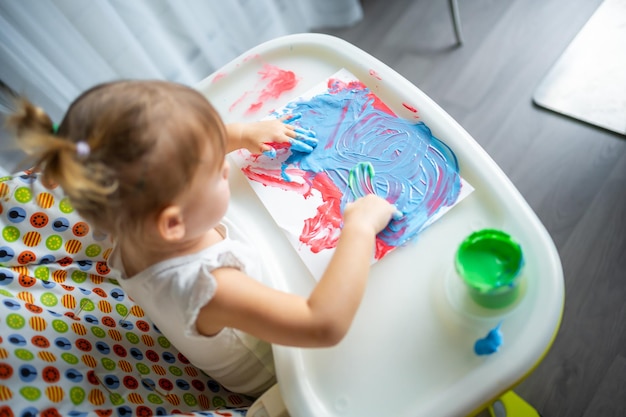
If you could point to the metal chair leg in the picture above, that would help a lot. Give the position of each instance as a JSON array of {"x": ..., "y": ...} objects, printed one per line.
[{"x": 456, "y": 20}]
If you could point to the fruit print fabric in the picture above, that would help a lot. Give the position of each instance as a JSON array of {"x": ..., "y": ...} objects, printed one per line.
[
  {"x": 71, "y": 341},
  {"x": 39, "y": 226}
]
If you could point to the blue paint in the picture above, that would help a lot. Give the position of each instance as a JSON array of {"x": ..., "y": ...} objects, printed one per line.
[
  {"x": 309, "y": 141},
  {"x": 414, "y": 170},
  {"x": 305, "y": 132},
  {"x": 270, "y": 153},
  {"x": 293, "y": 117},
  {"x": 300, "y": 146},
  {"x": 490, "y": 343}
]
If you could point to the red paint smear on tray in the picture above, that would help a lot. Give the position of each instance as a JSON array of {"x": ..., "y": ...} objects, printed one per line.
[
  {"x": 251, "y": 57},
  {"x": 375, "y": 74},
  {"x": 278, "y": 81},
  {"x": 239, "y": 100},
  {"x": 274, "y": 82},
  {"x": 219, "y": 76},
  {"x": 408, "y": 106}
]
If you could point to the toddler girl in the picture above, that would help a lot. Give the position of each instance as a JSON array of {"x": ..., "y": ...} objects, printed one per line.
[{"x": 145, "y": 162}]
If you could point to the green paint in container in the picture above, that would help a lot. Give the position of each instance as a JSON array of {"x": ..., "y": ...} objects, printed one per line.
[{"x": 489, "y": 261}]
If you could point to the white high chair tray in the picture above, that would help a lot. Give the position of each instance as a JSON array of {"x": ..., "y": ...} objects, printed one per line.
[{"x": 409, "y": 351}]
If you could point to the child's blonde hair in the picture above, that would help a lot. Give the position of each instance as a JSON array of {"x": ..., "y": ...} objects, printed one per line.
[{"x": 124, "y": 150}]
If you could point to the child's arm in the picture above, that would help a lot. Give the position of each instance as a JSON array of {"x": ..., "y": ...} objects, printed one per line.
[{"x": 324, "y": 317}]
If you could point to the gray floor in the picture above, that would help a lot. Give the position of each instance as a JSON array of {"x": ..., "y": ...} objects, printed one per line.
[{"x": 572, "y": 174}]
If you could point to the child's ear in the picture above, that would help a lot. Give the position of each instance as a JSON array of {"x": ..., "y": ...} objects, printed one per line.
[{"x": 170, "y": 224}]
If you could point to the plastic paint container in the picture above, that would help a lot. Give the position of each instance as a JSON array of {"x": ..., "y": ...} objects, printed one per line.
[{"x": 489, "y": 261}]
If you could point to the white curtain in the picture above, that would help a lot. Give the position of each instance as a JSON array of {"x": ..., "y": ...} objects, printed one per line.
[
  {"x": 59, "y": 48},
  {"x": 52, "y": 50}
]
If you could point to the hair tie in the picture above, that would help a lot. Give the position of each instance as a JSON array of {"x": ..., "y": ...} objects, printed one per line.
[
  {"x": 82, "y": 149},
  {"x": 55, "y": 128}
]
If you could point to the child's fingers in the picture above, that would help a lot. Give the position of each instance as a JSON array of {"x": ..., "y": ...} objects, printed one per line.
[
  {"x": 300, "y": 146},
  {"x": 298, "y": 133},
  {"x": 312, "y": 142},
  {"x": 305, "y": 132},
  {"x": 268, "y": 151},
  {"x": 290, "y": 131},
  {"x": 298, "y": 138},
  {"x": 302, "y": 135},
  {"x": 288, "y": 118}
]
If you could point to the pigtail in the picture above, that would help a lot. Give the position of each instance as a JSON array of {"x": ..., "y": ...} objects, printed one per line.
[
  {"x": 61, "y": 160},
  {"x": 25, "y": 119},
  {"x": 28, "y": 117}
]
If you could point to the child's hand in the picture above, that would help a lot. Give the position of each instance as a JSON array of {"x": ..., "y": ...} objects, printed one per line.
[
  {"x": 258, "y": 137},
  {"x": 369, "y": 211},
  {"x": 255, "y": 136}
]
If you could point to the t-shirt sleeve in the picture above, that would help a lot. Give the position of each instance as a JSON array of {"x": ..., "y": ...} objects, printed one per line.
[{"x": 199, "y": 293}]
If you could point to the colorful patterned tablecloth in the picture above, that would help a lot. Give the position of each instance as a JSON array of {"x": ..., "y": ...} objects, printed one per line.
[{"x": 72, "y": 343}]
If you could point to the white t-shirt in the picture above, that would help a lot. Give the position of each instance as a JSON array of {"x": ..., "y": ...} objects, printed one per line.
[{"x": 172, "y": 293}]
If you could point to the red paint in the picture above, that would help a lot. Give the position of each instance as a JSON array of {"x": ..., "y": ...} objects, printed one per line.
[
  {"x": 251, "y": 57},
  {"x": 278, "y": 82},
  {"x": 382, "y": 249},
  {"x": 379, "y": 105},
  {"x": 438, "y": 189},
  {"x": 331, "y": 139},
  {"x": 413, "y": 109},
  {"x": 322, "y": 231},
  {"x": 239, "y": 100},
  {"x": 375, "y": 74},
  {"x": 272, "y": 177},
  {"x": 275, "y": 82},
  {"x": 276, "y": 145},
  {"x": 218, "y": 76},
  {"x": 335, "y": 86},
  {"x": 254, "y": 107}
]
